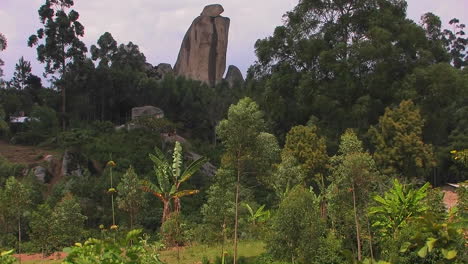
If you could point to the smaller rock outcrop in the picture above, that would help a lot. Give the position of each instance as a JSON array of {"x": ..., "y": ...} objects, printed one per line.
[
  {"x": 234, "y": 76},
  {"x": 147, "y": 111},
  {"x": 163, "y": 69}
]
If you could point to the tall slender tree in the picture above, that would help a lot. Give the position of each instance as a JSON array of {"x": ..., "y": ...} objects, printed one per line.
[
  {"x": 240, "y": 134},
  {"x": 22, "y": 74},
  {"x": 61, "y": 44}
]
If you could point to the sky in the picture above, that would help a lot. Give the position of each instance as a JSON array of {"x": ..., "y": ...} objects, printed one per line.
[{"x": 158, "y": 26}]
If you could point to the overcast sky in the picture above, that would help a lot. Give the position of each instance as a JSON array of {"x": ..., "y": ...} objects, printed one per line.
[{"x": 158, "y": 26}]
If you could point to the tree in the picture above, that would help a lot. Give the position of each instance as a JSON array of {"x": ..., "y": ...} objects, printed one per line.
[
  {"x": 67, "y": 222},
  {"x": 219, "y": 210},
  {"x": 354, "y": 176},
  {"x": 239, "y": 135},
  {"x": 106, "y": 50},
  {"x": 296, "y": 227},
  {"x": 169, "y": 177},
  {"x": 457, "y": 43},
  {"x": 17, "y": 200},
  {"x": 3, "y": 46},
  {"x": 130, "y": 198},
  {"x": 398, "y": 142},
  {"x": 62, "y": 45},
  {"x": 22, "y": 74},
  {"x": 41, "y": 229},
  {"x": 308, "y": 148}
]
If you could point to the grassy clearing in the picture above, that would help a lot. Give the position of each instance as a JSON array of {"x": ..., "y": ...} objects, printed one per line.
[{"x": 194, "y": 254}]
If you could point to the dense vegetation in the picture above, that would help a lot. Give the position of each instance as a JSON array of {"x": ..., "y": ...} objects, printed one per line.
[{"x": 330, "y": 152}]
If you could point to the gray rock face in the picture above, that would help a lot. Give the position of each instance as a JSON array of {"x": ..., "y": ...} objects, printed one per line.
[
  {"x": 147, "y": 111},
  {"x": 40, "y": 173},
  {"x": 163, "y": 69},
  {"x": 234, "y": 76},
  {"x": 202, "y": 55},
  {"x": 72, "y": 164},
  {"x": 212, "y": 10}
]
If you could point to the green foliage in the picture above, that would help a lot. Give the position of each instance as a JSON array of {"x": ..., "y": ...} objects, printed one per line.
[
  {"x": 241, "y": 128},
  {"x": 296, "y": 228},
  {"x": 4, "y": 128},
  {"x": 354, "y": 177},
  {"x": 6, "y": 257},
  {"x": 398, "y": 141},
  {"x": 42, "y": 229},
  {"x": 434, "y": 236},
  {"x": 133, "y": 249},
  {"x": 174, "y": 231},
  {"x": 219, "y": 210},
  {"x": 308, "y": 148},
  {"x": 130, "y": 197},
  {"x": 397, "y": 206},
  {"x": 22, "y": 74},
  {"x": 287, "y": 174},
  {"x": 67, "y": 222}
]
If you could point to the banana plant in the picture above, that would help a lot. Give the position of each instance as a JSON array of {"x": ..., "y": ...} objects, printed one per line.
[
  {"x": 398, "y": 205},
  {"x": 170, "y": 176},
  {"x": 259, "y": 216}
]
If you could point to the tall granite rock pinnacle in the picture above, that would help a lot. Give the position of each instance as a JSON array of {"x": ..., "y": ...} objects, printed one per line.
[{"x": 202, "y": 55}]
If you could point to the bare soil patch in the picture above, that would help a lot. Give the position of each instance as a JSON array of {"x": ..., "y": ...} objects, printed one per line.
[
  {"x": 23, "y": 154},
  {"x": 40, "y": 257}
]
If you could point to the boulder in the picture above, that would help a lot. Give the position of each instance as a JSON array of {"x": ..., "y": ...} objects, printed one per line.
[
  {"x": 40, "y": 173},
  {"x": 147, "y": 111},
  {"x": 212, "y": 10},
  {"x": 234, "y": 76},
  {"x": 163, "y": 69},
  {"x": 72, "y": 164},
  {"x": 202, "y": 54}
]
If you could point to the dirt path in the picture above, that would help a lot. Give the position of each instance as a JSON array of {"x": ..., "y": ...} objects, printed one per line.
[
  {"x": 23, "y": 154},
  {"x": 39, "y": 257}
]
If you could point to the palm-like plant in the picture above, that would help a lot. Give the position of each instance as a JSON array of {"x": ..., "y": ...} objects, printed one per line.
[
  {"x": 169, "y": 178},
  {"x": 398, "y": 205}
]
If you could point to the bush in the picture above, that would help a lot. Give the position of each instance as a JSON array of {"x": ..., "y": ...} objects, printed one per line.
[
  {"x": 296, "y": 228},
  {"x": 131, "y": 250}
]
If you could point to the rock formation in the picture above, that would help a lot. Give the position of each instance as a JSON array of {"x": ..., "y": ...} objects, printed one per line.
[
  {"x": 145, "y": 111},
  {"x": 234, "y": 76},
  {"x": 202, "y": 55}
]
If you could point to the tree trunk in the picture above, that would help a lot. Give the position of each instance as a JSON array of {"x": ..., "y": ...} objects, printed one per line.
[
  {"x": 358, "y": 240},
  {"x": 166, "y": 211},
  {"x": 177, "y": 205},
  {"x": 236, "y": 219},
  {"x": 19, "y": 238}
]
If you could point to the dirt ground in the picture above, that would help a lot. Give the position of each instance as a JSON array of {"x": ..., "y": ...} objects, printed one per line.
[
  {"x": 450, "y": 197},
  {"x": 39, "y": 257},
  {"x": 23, "y": 154}
]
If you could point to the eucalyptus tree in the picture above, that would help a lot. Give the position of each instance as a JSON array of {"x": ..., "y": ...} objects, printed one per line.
[
  {"x": 3, "y": 46},
  {"x": 248, "y": 148},
  {"x": 61, "y": 44},
  {"x": 22, "y": 74},
  {"x": 354, "y": 176},
  {"x": 130, "y": 198},
  {"x": 16, "y": 197}
]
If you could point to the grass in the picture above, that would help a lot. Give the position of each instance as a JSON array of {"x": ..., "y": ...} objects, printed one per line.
[{"x": 194, "y": 254}]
